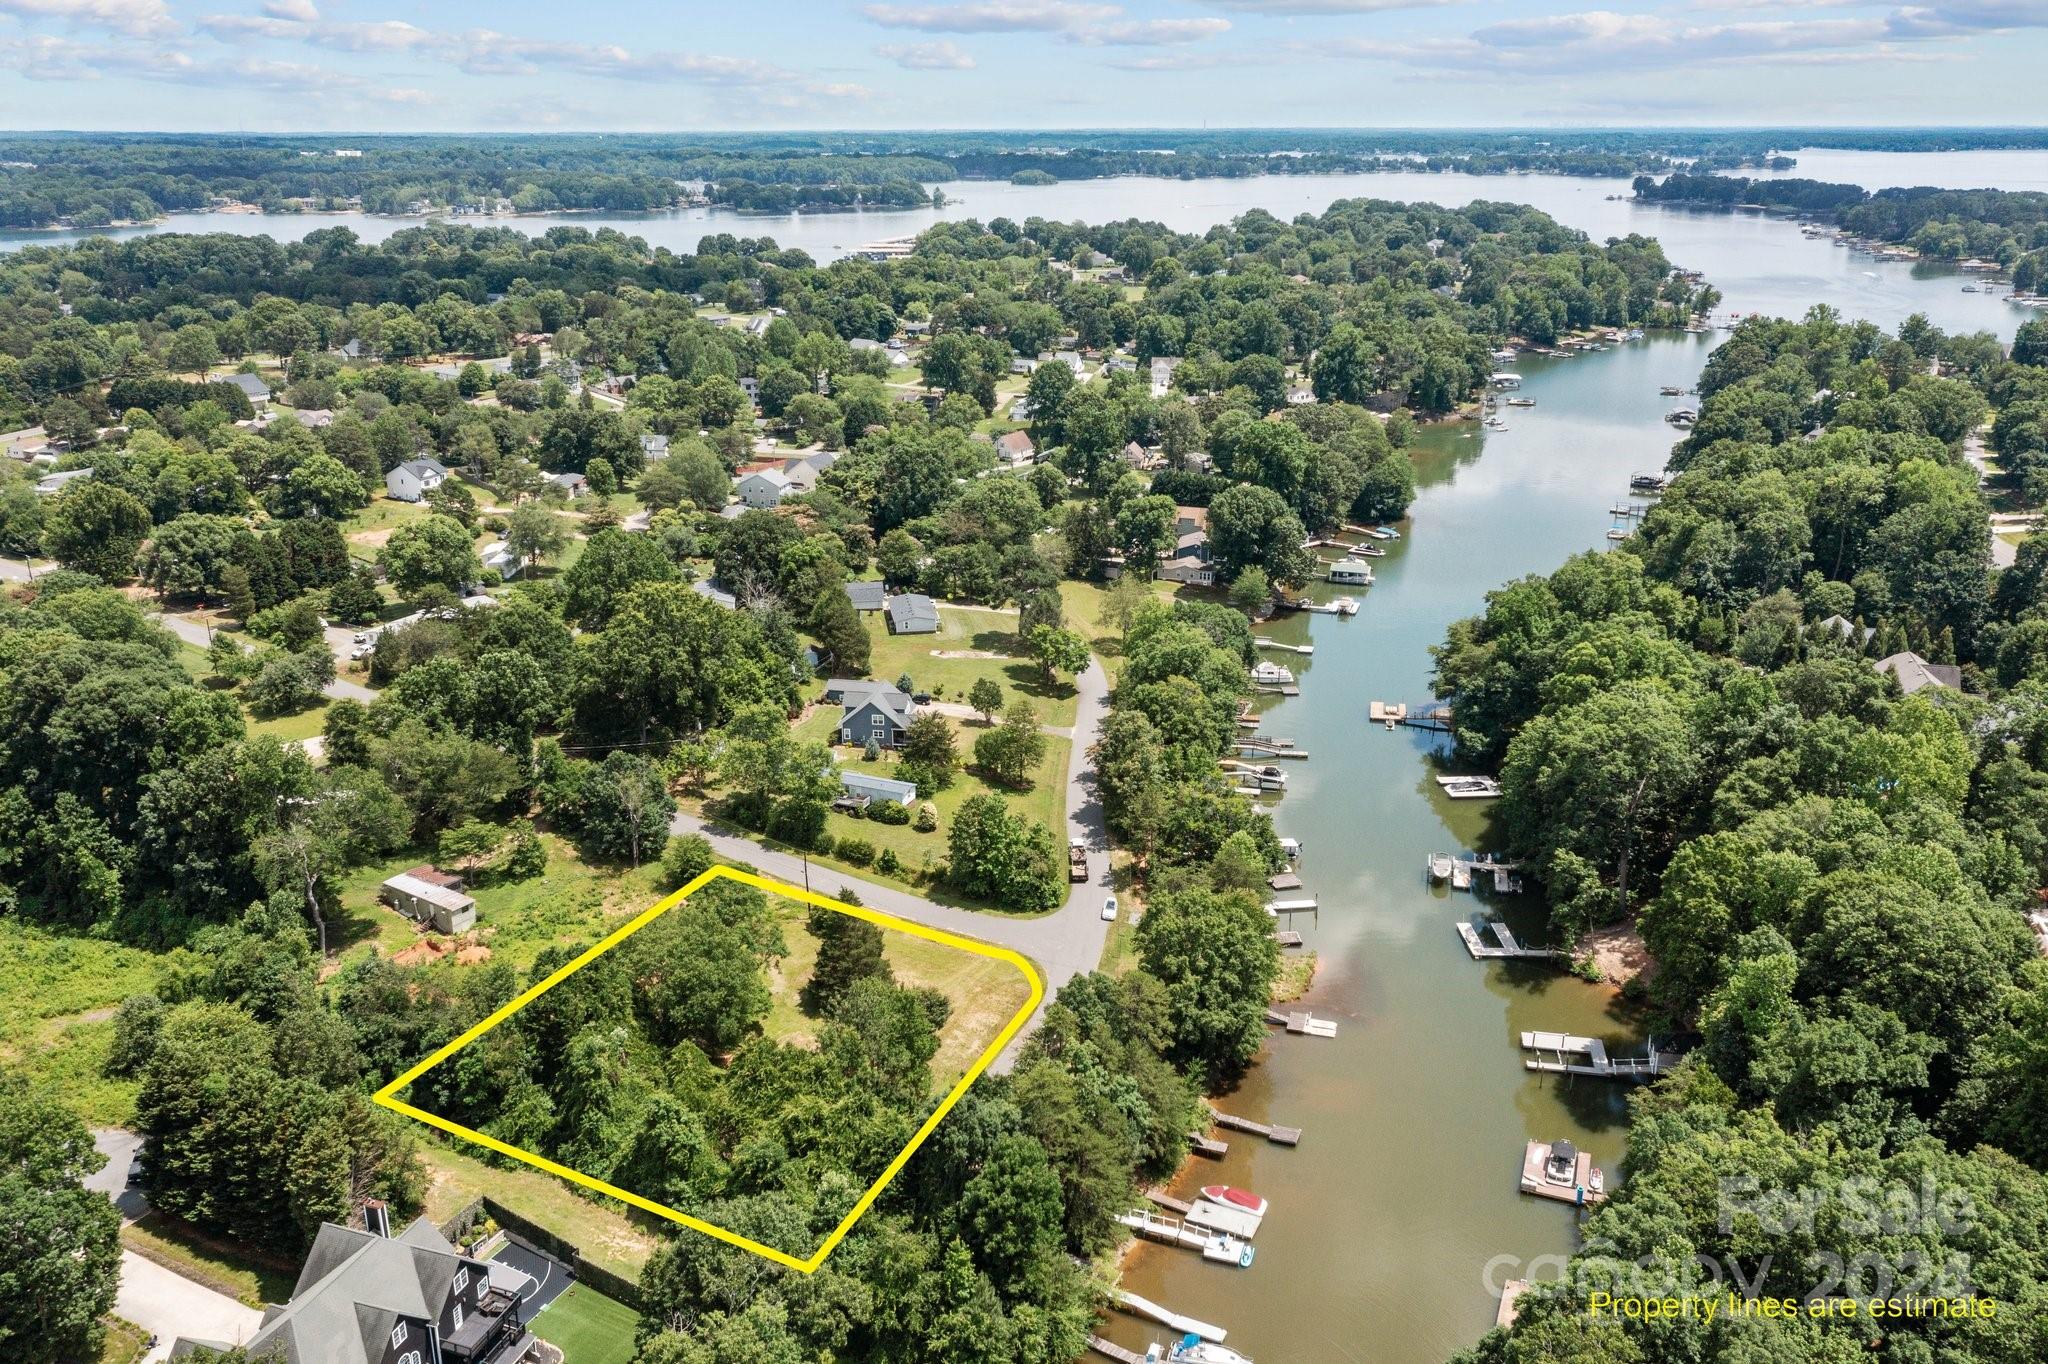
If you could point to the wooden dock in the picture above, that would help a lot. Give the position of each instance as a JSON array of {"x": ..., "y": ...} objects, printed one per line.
[
  {"x": 1505, "y": 942},
  {"x": 1279, "y": 1136},
  {"x": 1423, "y": 715},
  {"x": 1302, "y": 1024},
  {"x": 1205, "y": 1145},
  {"x": 1169, "y": 1202},
  {"x": 1580, "y": 1193},
  {"x": 1462, "y": 872},
  {"x": 1559, "y": 1053},
  {"x": 1285, "y": 880},
  {"x": 1136, "y": 1306},
  {"x": 1287, "y": 937},
  {"x": 1254, "y": 748},
  {"x": 1171, "y": 1231},
  {"x": 1111, "y": 1350},
  {"x": 1509, "y": 1296},
  {"x": 1265, "y": 643},
  {"x": 1282, "y": 690},
  {"x": 1276, "y": 908}
]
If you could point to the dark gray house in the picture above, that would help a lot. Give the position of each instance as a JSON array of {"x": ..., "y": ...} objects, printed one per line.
[
  {"x": 867, "y": 595},
  {"x": 366, "y": 1298},
  {"x": 870, "y": 710},
  {"x": 913, "y": 613}
]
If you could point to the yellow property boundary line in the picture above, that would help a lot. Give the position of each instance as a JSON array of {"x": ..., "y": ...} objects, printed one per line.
[{"x": 388, "y": 1095}]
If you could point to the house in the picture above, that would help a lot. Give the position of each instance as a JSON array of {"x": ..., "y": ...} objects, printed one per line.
[
  {"x": 1188, "y": 560},
  {"x": 1163, "y": 367},
  {"x": 312, "y": 418},
  {"x": 750, "y": 386},
  {"x": 873, "y": 711},
  {"x": 913, "y": 613},
  {"x": 415, "y": 478},
  {"x": 1014, "y": 449},
  {"x": 431, "y": 898},
  {"x": 867, "y": 595},
  {"x": 50, "y": 484},
  {"x": 802, "y": 470},
  {"x": 1136, "y": 455},
  {"x": 1300, "y": 395},
  {"x": 365, "y": 1297},
  {"x": 351, "y": 349},
  {"x": 1198, "y": 461},
  {"x": 252, "y": 387},
  {"x": 866, "y": 789},
  {"x": 1072, "y": 360},
  {"x": 1915, "y": 673},
  {"x": 498, "y": 557},
  {"x": 653, "y": 446},
  {"x": 1845, "y": 630},
  {"x": 763, "y": 488},
  {"x": 573, "y": 484}
]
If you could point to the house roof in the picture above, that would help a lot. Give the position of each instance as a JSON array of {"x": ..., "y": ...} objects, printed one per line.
[
  {"x": 250, "y": 384},
  {"x": 354, "y": 1289},
  {"x": 913, "y": 612},
  {"x": 421, "y": 468},
  {"x": 442, "y": 897},
  {"x": 1014, "y": 444},
  {"x": 866, "y": 596},
  {"x": 1915, "y": 673},
  {"x": 571, "y": 481},
  {"x": 1846, "y": 629},
  {"x": 888, "y": 787},
  {"x": 887, "y": 701},
  {"x": 774, "y": 477}
]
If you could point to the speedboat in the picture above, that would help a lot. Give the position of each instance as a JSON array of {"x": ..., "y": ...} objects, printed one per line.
[
  {"x": 1596, "y": 1181},
  {"x": 1195, "y": 1350},
  {"x": 1231, "y": 1197},
  {"x": 1521, "y": 402}
]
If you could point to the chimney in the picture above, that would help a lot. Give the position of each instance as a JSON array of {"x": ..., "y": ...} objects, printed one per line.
[{"x": 377, "y": 1217}]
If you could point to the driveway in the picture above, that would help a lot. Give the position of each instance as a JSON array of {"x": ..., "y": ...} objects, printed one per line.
[
  {"x": 339, "y": 643},
  {"x": 551, "y": 1278},
  {"x": 168, "y": 1306},
  {"x": 116, "y": 1179},
  {"x": 1065, "y": 943}
]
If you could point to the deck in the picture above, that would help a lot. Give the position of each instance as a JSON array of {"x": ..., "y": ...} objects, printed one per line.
[
  {"x": 1504, "y": 938},
  {"x": 1279, "y": 1136},
  {"x": 1302, "y": 1024},
  {"x": 1559, "y": 1053}
]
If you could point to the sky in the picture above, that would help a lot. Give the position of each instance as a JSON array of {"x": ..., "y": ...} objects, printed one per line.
[{"x": 538, "y": 65}]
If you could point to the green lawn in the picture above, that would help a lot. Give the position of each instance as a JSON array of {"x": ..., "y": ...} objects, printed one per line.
[
  {"x": 588, "y": 1327},
  {"x": 984, "y": 993},
  {"x": 965, "y": 631},
  {"x": 1045, "y": 802},
  {"x": 572, "y": 901},
  {"x": 291, "y": 728},
  {"x": 595, "y": 1225}
]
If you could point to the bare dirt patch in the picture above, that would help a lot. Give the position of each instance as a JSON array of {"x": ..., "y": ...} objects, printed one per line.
[{"x": 1620, "y": 954}]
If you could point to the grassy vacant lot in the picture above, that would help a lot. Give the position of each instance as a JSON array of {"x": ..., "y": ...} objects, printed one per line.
[
  {"x": 57, "y": 1000},
  {"x": 967, "y": 632},
  {"x": 595, "y": 1225},
  {"x": 572, "y": 901},
  {"x": 1045, "y": 802},
  {"x": 292, "y": 728},
  {"x": 984, "y": 993},
  {"x": 588, "y": 1327}
]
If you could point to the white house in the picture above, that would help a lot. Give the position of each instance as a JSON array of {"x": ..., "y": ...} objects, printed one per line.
[
  {"x": 498, "y": 557},
  {"x": 763, "y": 488},
  {"x": 415, "y": 478}
]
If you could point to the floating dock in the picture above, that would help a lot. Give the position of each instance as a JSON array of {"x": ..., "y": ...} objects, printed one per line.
[
  {"x": 1258, "y": 748},
  {"x": 1285, "y": 880},
  {"x": 1219, "y": 1248},
  {"x": 1302, "y": 1024},
  {"x": 1504, "y": 945},
  {"x": 1580, "y": 1193},
  {"x": 1287, "y": 937},
  {"x": 1462, "y": 871},
  {"x": 1425, "y": 715},
  {"x": 1561, "y": 1053},
  {"x": 1264, "y": 643},
  {"x": 1284, "y": 689},
  {"x": 1278, "y": 907},
  {"x": 1165, "y": 1316},
  {"x": 1203, "y": 1144},
  {"x": 1279, "y": 1136}
]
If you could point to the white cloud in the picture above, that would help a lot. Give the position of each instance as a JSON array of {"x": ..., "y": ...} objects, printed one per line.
[
  {"x": 1314, "y": 7},
  {"x": 1180, "y": 61},
  {"x": 299, "y": 11},
  {"x": 938, "y": 56},
  {"x": 138, "y": 18},
  {"x": 1151, "y": 32},
  {"x": 994, "y": 16}
]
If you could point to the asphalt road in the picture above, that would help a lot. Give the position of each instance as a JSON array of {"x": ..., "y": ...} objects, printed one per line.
[
  {"x": 1065, "y": 943},
  {"x": 339, "y": 642}
]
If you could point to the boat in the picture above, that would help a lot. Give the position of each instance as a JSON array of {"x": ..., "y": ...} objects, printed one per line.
[
  {"x": 1521, "y": 402},
  {"x": 1345, "y": 606},
  {"x": 1682, "y": 416},
  {"x": 1382, "y": 533},
  {"x": 1596, "y": 1181},
  {"x": 1440, "y": 866},
  {"x": 1496, "y": 424},
  {"x": 1969, "y": 288},
  {"x": 1469, "y": 788},
  {"x": 1351, "y": 572},
  {"x": 1192, "y": 1349},
  {"x": 1647, "y": 483},
  {"x": 1366, "y": 552},
  {"x": 1231, "y": 1196},
  {"x": 1616, "y": 533},
  {"x": 1671, "y": 391}
]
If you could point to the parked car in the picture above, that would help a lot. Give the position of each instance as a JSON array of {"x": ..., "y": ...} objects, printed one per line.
[{"x": 1109, "y": 910}]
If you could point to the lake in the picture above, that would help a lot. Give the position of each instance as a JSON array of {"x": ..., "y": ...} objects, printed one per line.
[{"x": 1396, "y": 1220}]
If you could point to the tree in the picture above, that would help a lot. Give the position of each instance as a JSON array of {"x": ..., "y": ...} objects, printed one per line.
[
  {"x": 1058, "y": 651},
  {"x": 1250, "y": 592},
  {"x": 837, "y": 627},
  {"x": 986, "y": 696},
  {"x": 1251, "y": 526},
  {"x": 849, "y": 951},
  {"x": 428, "y": 552},
  {"x": 188, "y": 555},
  {"x": 686, "y": 857},
  {"x": 468, "y": 844},
  {"x": 321, "y": 485},
  {"x": 533, "y": 532},
  {"x": 1217, "y": 958},
  {"x": 1000, "y": 857},
  {"x": 64, "y": 1247},
  {"x": 355, "y": 600},
  {"x": 928, "y": 754},
  {"x": 604, "y": 479},
  {"x": 193, "y": 349},
  {"x": 625, "y": 808},
  {"x": 96, "y": 528},
  {"x": 613, "y": 563},
  {"x": 1011, "y": 752}
]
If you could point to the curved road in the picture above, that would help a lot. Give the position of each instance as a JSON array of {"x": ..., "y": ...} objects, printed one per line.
[{"x": 1065, "y": 943}]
